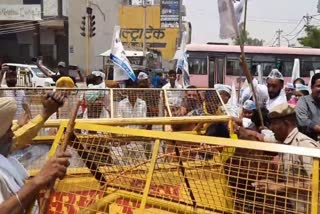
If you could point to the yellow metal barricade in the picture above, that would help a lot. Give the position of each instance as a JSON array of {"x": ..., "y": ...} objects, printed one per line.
[
  {"x": 130, "y": 165},
  {"x": 115, "y": 175}
]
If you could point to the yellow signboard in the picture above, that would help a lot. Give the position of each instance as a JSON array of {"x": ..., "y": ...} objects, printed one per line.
[{"x": 131, "y": 20}]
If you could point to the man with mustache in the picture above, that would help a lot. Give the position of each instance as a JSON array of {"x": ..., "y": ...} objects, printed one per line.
[
  {"x": 308, "y": 110},
  {"x": 11, "y": 80},
  {"x": 277, "y": 95}
]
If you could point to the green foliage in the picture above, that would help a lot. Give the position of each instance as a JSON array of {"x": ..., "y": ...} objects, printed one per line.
[
  {"x": 312, "y": 39},
  {"x": 248, "y": 40}
]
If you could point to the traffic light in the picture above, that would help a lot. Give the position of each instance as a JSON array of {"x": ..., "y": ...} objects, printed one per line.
[
  {"x": 83, "y": 26},
  {"x": 92, "y": 24}
]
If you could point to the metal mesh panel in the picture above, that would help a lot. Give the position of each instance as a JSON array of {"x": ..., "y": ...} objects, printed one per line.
[
  {"x": 181, "y": 174},
  {"x": 95, "y": 103},
  {"x": 194, "y": 102},
  {"x": 115, "y": 103}
]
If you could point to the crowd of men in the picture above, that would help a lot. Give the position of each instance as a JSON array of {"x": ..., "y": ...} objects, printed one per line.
[{"x": 291, "y": 116}]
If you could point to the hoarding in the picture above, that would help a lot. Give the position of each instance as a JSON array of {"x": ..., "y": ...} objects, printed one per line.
[
  {"x": 170, "y": 13},
  {"x": 157, "y": 38}
]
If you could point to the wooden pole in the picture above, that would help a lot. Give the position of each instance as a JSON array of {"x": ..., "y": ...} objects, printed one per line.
[
  {"x": 244, "y": 64},
  {"x": 69, "y": 131}
]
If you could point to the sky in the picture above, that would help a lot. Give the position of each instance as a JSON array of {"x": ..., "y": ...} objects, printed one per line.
[{"x": 265, "y": 17}]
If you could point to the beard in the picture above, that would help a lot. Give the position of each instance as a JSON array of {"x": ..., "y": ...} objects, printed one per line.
[
  {"x": 11, "y": 83},
  {"x": 274, "y": 95},
  {"x": 192, "y": 104}
]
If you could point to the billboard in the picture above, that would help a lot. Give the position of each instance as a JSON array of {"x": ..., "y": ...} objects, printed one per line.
[
  {"x": 161, "y": 39},
  {"x": 170, "y": 13}
]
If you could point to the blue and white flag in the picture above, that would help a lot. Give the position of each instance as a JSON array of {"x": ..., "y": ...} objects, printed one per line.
[
  {"x": 230, "y": 12},
  {"x": 182, "y": 63},
  {"x": 118, "y": 57}
]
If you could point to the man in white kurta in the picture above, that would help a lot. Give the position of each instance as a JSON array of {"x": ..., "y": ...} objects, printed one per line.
[
  {"x": 277, "y": 95},
  {"x": 130, "y": 107}
]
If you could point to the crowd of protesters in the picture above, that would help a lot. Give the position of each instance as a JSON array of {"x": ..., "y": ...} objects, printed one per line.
[{"x": 291, "y": 116}]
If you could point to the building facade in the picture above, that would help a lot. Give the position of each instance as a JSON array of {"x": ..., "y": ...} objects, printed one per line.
[
  {"x": 162, "y": 34},
  {"x": 160, "y": 20},
  {"x": 106, "y": 17},
  {"x": 32, "y": 28}
]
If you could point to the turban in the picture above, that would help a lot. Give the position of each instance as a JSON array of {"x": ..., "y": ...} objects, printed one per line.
[{"x": 8, "y": 108}]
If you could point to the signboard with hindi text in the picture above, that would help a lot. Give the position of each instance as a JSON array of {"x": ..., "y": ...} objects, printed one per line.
[
  {"x": 30, "y": 12},
  {"x": 170, "y": 13},
  {"x": 158, "y": 38}
]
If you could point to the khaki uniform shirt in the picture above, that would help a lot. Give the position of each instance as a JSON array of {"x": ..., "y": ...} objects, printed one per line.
[{"x": 297, "y": 166}]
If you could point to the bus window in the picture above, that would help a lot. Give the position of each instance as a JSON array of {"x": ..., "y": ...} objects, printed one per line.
[
  {"x": 197, "y": 66},
  {"x": 220, "y": 63},
  {"x": 308, "y": 64},
  {"x": 306, "y": 67},
  {"x": 233, "y": 67},
  {"x": 212, "y": 68}
]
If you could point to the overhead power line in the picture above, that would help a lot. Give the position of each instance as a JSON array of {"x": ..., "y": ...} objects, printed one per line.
[
  {"x": 272, "y": 40},
  {"x": 22, "y": 28},
  {"x": 26, "y": 22},
  {"x": 295, "y": 28},
  {"x": 295, "y": 36}
]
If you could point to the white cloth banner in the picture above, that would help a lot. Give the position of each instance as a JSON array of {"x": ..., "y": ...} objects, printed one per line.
[
  {"x": 182, "y": 62},
  {"x": 118, "y": 57},
  {"x": 295, "y": 70},
  {"x": 260, "y": 74},
  {"x": 230, "y": 12},
  {"x": 234, "y": 98}
]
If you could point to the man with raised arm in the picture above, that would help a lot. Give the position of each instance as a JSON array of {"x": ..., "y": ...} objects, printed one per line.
[{"x": 15, "y": 196}]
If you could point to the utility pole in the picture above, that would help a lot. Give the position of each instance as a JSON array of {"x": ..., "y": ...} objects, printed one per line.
[
  {"x": 87, "y": 40},
  {"x": 279, "y": 36},
  {"x": 36, "y": 39},
  {"x": 60, "y": 9},
  {"x": 308, "y": 19},
  {"x": 144, "y": 27},
  {"x": 319, "y": 6},
  {"x": 65, "y": 44}
]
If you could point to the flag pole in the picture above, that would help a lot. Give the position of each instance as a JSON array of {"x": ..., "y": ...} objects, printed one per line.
[
  {"x": 243, "y": 61},
  {"x": 242, "y": 42}
]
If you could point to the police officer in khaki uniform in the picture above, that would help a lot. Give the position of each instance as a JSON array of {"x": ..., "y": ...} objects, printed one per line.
[{"x": 296, "y": 168}]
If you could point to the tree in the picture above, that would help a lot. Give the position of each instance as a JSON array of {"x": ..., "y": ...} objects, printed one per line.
[
  {"x": 248, "y": 40},
  {"x": 312, "y": 39}
]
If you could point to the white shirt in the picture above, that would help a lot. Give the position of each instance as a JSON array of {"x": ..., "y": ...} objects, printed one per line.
[
  {"x": 12, "y": 176},
  {"x": 271, "y": 103},
  {"x": 126, "y": 110},
  {"x": 174, "y": 96}
]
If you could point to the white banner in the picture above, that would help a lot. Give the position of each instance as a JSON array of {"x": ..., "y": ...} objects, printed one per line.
[
  {"x": 295, "y": 70},
  {"x": 182, "y": 62},
  {"x": 30, "y": 12},
  {"x": 230, "y": 12},
  {"x": 118, "y": 57}
]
